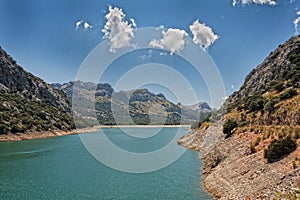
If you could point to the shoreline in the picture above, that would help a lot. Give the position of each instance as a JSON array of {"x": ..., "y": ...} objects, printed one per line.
[
  {"x": 230, "y": 171},
  {"x": 48, "y": 134}
]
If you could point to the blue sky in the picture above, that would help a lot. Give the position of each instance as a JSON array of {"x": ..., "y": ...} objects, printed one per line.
[{"x": 41, "y": 34}]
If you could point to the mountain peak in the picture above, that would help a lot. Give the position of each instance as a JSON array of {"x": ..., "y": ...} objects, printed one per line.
[
  {"x": 29, "y": 104},
  {"x": 275, "y": 69}
]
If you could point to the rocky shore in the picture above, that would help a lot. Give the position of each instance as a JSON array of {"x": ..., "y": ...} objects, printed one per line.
[{"x": 233, "y": 172}]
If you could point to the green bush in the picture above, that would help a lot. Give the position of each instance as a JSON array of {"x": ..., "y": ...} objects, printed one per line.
[
  {"x": 270, "y": 105},
  {"x": 279, "y": 87},
  {"x": 243, "y": 123},
  {"x": 279, "y": 148},
  {"x": 288, "y": 94},
  {"x": 3, "y": 129},
  {"x": 17, "y": 129},
  {"x": 228, "y": 126},
  {"x": 256, "y": 105}
]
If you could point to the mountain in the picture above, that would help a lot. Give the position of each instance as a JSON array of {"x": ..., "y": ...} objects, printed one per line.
[
  {"x": 27, "y": 103},
  {"x": 201, "y": 107},
  {"x": 250, "y": 146},
  {"x": 138, "y": 106}
]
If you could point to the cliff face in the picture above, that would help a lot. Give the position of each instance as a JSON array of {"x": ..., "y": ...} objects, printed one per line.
[
  {"x": 27, "y": 103},
  {"x": 266, "y": 110}
]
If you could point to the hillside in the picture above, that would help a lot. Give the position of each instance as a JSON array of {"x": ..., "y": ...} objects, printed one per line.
[
  {"x": 250, "y": 146},
  {"x": 138, "y": 106},
  {"x": 27, "y": 103}
]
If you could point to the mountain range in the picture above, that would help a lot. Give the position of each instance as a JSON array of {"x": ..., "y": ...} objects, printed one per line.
[
  {"x": 139, "y": 106},
  {"x": 28, "y": 104}
]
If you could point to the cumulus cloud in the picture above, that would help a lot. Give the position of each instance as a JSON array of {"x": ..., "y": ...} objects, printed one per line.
[
  {"x": 296, "y": 23},
  {"x": 244, "y": 2},
  {"x": 203, "y": 34},
  {"x": 173, "y": 40},
  {"x": 117, "y": 30},
  {"x": 82, "y": 25}
]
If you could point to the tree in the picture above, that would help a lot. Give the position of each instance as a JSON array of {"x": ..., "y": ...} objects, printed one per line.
[
  {"x": 270, "y": 106},
  {"x": 279, "y": 148},
  {"x": 228, "y": 126}
]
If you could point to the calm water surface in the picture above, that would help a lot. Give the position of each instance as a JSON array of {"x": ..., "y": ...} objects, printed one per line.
[{"x": 61, "y": 168}]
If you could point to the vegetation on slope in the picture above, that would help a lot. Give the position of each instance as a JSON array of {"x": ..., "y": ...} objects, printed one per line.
[
  {"x": 267, "y": 105},
  {"x": 27, "y": 103}
]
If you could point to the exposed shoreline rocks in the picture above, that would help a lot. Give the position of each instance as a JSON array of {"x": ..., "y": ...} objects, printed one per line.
[{"x": 232, "y": 172}]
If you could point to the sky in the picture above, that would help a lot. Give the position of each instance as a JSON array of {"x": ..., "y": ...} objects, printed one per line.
[{"x": 51, "y": 39}]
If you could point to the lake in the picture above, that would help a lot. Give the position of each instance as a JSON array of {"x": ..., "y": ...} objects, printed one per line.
[{"x": 62, "y": 168}]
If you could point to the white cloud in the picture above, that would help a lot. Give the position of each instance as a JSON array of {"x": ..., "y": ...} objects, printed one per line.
[
  {"x": 160, "y": 27},
  {"x": 244, "y": 2},
  {"x": 172, "y": 40},
  {"x": 117, "y": 29},
  {"x": 78, "y": 23},
  {"x": 203, "y": 34},
  {"x": 87, "y": 25},
  {"x": 133, "y": 22},
  {"x": 296, "y": 23},
  {"x": 82, "y": 25}
]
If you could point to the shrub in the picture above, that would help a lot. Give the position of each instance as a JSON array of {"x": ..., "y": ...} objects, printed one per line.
[
  {"x": 270, "y": 105},
  {"x": 3, "y": 129},
  {"x": 256, "y": 105},
  {"x": 288, "y": 94},
  {"x": 229, "y": 125},
  {"x": 252, "y": 148},
  {"x": 279, "y": 148},
  {"x": 279, "y": 87},
  {"x": 257, "y": 141},
  {"x": 243, "y": 123},
  {"x": 17, "y": 129}
]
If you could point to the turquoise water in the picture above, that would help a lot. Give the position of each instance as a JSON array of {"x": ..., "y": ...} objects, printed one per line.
[{"x": 61, "y": 168}]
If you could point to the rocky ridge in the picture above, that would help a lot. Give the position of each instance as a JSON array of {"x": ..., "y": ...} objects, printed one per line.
[
  {"x": 27, "y": 103},
  {"x": 265, "y": 109}
]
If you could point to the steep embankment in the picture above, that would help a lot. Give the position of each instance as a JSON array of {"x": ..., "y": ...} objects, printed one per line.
[
  {"x": 258, "y": 157},
  {"x": 28, "y": 104}
]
